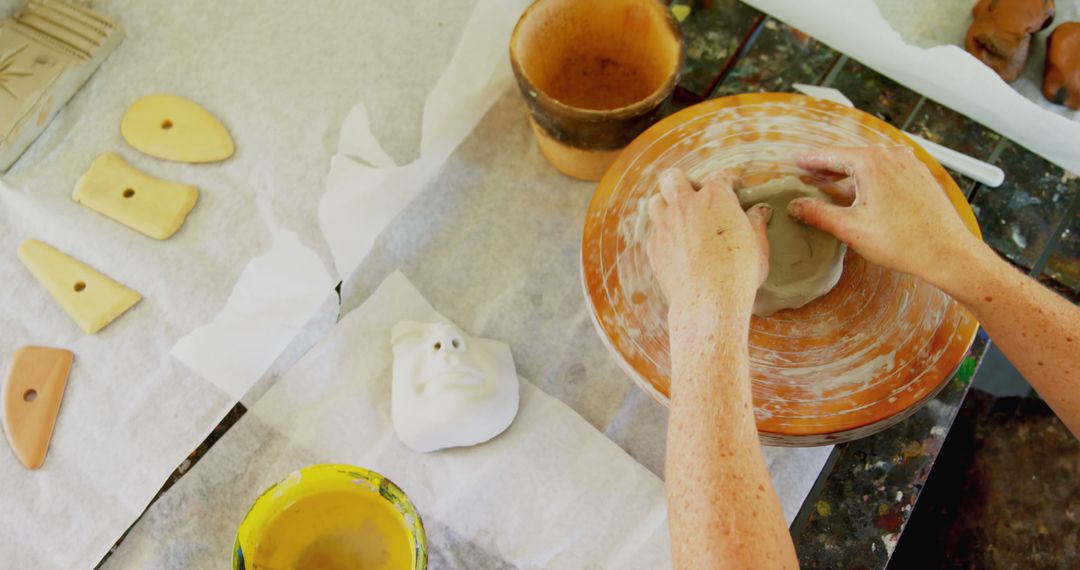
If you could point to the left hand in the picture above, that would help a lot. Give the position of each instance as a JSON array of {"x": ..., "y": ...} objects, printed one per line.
[{"x": 705, "y": 250}]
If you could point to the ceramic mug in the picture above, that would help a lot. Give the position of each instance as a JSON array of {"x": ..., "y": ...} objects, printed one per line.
[
  {"x": 328, "y": 517},
  {"x": 594, "y": 75}
]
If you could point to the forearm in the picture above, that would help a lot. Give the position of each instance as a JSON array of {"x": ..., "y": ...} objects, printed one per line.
[
  {"x": 722, "y": 507},
  {"x": 1037, "y": 330}
]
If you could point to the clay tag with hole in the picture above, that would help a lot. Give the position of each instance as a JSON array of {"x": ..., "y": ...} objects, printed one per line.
[
  {"x": 174, "y": 128},
  {"x": 91, "y": 298},
  {"x": 32, "y": 394},
  {"x": 149, "y": 205}
]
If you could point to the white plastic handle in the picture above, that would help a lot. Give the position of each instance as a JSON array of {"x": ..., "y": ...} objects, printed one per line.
[
  {"x": 973, "y": 168},
  {"x": 969, "y": 166}
]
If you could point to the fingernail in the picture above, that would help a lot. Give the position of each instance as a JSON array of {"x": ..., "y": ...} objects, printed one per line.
[{"x": 768, "y": 211}]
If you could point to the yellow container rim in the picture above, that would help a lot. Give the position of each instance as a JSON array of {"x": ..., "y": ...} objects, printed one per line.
[{"x": 317, "y": 479}]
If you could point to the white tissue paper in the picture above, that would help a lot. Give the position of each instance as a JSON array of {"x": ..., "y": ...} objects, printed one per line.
[
  {"x": 362, "y": 199},
  {"x": 550, "y": 492},
  {"x": 275, "y": 297},
  {"x": 945, "y": 73},
  {"x": 132, "y": 412}
]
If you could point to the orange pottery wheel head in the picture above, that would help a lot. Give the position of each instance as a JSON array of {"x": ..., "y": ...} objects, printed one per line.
[{"x": 847, "y": 365}]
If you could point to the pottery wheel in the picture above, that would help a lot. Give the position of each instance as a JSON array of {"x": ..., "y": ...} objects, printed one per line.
[{"x": 848, "y": 364}]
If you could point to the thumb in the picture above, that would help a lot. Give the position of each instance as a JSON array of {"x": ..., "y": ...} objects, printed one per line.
[{"x": 822, "y": 215}]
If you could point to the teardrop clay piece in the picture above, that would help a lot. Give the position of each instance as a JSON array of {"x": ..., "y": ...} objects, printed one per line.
[
  {"x": 174, "y": 128},
  {"x": 32, "y": 394}
]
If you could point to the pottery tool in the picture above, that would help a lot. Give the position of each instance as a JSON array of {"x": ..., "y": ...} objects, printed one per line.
[
  {"x": 177, "y": 129},
  {"x": 332, "y": 516},
  {"x": 32, "y": 394},
  {"x": 116, "y": 189},
  {"x": 91, "y": 298},
  {"x": 47, "y": 51},
  {"x": 848, "y": 364},
  {"x": 982, "y": 172}
]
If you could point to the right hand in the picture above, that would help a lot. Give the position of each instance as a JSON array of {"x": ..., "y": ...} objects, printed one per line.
[{"x": 900, "y": 218}]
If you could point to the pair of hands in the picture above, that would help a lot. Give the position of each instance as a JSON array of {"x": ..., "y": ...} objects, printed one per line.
[{"x": 707, "y": 251}]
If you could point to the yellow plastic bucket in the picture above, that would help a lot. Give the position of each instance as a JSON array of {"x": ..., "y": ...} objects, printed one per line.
[{"x": 329, "y": 517}]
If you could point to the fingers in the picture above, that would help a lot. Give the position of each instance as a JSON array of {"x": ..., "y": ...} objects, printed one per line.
[
  {"x": 674, "y": 182},
  {"x": 720, "y": 180},
  {"x": 826, "y": 217},
  {"x": 657, "y": 208},
  {"x": 836, "y": 160}
]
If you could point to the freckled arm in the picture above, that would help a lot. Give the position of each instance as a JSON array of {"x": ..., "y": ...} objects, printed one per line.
[
  {"x": 1038, "y": 330},
  {"x": 723, "y": 510}
]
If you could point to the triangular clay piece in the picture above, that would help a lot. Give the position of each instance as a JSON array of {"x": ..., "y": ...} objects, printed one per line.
[
  {"x": 91, "y": 298},
  {"x": 174, "y": 128},
  {"x": 149, "y": 205},
  {"x": 32, "y": 394}
]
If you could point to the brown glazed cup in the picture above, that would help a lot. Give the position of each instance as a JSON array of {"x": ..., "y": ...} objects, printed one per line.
[{"x": 594, "y": 74}]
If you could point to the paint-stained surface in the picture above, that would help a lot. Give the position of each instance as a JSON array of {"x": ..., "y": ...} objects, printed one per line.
[
  {"x": 1063, "y": 266},
  {"x": 1019, "y": 217},
  {"x": 779, "y": 56},
  {"x": 857, "y": 518},
  {"x": 939, "y": 124},
  {"x": 713, "y": 31},
  {"x": 1005, "y": 492},
  {"x": 874, "y": 93}
]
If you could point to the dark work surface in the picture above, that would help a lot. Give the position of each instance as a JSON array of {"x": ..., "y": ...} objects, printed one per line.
[
  {"x": 857, "y": 512},
  {"x": 1005, "y": 493}
]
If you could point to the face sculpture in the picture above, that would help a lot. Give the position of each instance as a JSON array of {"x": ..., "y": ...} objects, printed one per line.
[{"x": 450, "y": 390}]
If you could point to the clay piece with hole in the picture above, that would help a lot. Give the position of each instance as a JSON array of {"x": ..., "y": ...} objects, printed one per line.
[
  {"x": 1001, "y": 30},
  {"x": 32, "y": 394},
  {"x": 174, "y": 128},
  {"x": 449, "y": 389},
  {"x": 1061, "y": 79},
  {"x": 91, "y": 298},
  {"x": 116, "y": 189},
  {"x": 47, "y": 51},
  {"x": 804, "y": 263}
]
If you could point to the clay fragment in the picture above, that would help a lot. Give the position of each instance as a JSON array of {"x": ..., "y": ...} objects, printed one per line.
[
  {"x": 1000, "y": 35},
  {"x": 1061, "y": 78},
  {"x": 32, "y": 394}
]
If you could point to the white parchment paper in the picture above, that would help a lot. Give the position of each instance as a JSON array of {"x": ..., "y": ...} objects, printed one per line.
[
  {"x": 495, "y": 243},
  {"x": 550, "y": 492},
  {"x": 281, "y": 76},
  {"x": 945, "y": 73}
]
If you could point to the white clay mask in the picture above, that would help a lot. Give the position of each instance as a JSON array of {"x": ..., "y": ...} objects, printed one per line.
[{"x": 449, "y": 389}]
